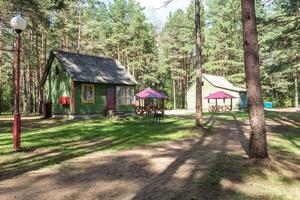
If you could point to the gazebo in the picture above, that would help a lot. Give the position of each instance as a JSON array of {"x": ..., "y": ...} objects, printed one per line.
[
  {"x": 216, "y": 96},
  {"x": 150, "y": 108}
]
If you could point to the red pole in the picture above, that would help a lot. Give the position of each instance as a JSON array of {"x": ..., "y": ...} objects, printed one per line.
[{"x": 17, "y": 116}]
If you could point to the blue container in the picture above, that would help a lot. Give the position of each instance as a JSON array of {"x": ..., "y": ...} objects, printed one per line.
[{"x": 268, "y": 105}]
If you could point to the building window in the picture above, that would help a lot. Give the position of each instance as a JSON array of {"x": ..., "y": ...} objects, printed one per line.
[
  {"x": 125, "y": 95},
  {"x": 87, "y": 93}
]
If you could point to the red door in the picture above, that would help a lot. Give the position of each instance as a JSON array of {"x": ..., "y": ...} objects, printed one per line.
[{"x": 111, "y": 98}]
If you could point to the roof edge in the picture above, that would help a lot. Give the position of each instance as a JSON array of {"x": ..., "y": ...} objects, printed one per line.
[
  {"x": 47, "y": 68},
  {"x": 82, "y": 54},
  {"x": 242, "y": 90}
]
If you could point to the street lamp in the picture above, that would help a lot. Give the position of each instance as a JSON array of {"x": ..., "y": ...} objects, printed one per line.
[{"x": 18, "y": 24}]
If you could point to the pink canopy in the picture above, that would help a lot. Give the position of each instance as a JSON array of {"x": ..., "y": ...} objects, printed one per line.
[
  {"x": 150, "y": 93},
  {"x": 219, "y": 95}
]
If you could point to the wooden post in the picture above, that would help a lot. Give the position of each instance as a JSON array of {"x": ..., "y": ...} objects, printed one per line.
[
  {"x": 230, "y": 104},
  {"x": 209, "y": 107},
  {"x": 163, "y": 106}
]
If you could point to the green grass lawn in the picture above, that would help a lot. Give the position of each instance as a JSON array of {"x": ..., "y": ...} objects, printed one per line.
[
  {"x": 52, "y": 141},
  {"x": 61, "y": 135}
]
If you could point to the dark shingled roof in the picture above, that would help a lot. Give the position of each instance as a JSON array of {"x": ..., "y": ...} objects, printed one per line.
[{"x": 94, "y": 69}]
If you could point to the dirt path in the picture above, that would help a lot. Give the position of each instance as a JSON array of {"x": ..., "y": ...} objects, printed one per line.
[{"x": 167, "y": 170}]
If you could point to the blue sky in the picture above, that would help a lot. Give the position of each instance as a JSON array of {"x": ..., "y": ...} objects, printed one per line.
[{"x": 158, "y": 14}]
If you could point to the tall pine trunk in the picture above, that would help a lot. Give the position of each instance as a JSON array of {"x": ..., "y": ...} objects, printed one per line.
[
  {"x": 198, "y": 116},
  {"x": 0, "y": 85},
  {"x": 174, "y": 94},
  {"x": 258, "y": 139},
  {"x": 25, "y": 90},
  {"x": 41, "y": 71},
  {"x": 1, "y": 79},
  {"x": 296, "y": 91},
  {"x": 79, "y": 26}
]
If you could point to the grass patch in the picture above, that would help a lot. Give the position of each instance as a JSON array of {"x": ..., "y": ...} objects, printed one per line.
[
  {"x": 48, "y": 142},
  {"x": 212, "y": 179}
]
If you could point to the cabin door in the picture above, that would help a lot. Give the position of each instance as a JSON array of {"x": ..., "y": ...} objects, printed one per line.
[
  {"x": 48, "y": 109},
  {"x": 111, "y": 98}
]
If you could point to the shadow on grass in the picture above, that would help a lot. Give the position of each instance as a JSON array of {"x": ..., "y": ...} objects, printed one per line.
[
  {"x": 212, "y": 163},
  {"x": 76, "y": 138},
  {"x": 213, "y": 180},
  {"x": 290, "y": 117},
  {"x": 288, "y": 126}
]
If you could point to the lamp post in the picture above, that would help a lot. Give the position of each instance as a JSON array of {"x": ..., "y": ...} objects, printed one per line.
[{"x": 18, "y": 24}]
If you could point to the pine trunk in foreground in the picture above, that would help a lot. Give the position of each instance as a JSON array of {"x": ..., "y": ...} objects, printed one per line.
[
  {"x": 198, "y": 115},
  {"x": 258, "y": 138}
]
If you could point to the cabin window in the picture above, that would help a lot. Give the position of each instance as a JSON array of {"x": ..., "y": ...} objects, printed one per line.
[
  {"x": 125, "y": 95},
  {"x": 87, "y": 93}
]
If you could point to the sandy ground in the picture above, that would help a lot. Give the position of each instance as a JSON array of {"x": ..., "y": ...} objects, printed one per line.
[
  {"x": 165, "y": 170},
  {"x": 188, "y": 112}
]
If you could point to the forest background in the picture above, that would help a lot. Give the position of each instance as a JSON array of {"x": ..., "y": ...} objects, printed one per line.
[{"x": 158, "y": 58}]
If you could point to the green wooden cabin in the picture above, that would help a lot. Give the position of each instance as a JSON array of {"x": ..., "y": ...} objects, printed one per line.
[
  {"x": 78, "y": 85},
  {"x": 213, "y": 83}
]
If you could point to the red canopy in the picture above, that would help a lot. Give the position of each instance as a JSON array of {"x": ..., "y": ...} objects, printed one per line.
[
  {"x": 219, "y": 95},
  {"x": 150, "y": 93}
]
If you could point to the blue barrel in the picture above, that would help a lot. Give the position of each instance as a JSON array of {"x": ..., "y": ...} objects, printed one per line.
[{"x": 268, "y": 105}]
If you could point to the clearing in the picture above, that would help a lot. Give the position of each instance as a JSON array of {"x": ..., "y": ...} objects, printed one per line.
[{"x": 138, "y": 159}]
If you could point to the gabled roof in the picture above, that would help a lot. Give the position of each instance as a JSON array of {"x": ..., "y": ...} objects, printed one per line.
[
  {"x": 222, "y": 82},
  {"x": 93, "y": 69},
  {"x": 150, "y": 93},
  {"x": 219, "y": 95}
]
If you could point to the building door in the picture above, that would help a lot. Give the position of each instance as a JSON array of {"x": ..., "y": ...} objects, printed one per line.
[
  {"x": 243, "y": 100},
  {"x": 48, "y": 109},
  {"x": 111, "y": 98}
]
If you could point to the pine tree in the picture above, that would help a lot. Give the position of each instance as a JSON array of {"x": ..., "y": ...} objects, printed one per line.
[
  {"x": 223, "y": 41},
  {"x": 258, "y": 139},
  {"x": 198, "y": 115}
]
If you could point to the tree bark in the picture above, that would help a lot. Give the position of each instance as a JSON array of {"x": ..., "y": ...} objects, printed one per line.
[
  {"x": 258, "y": 139},
  {"x": 0, "y": 83},
  {"x": 79, "y": 26},
  {"x": 198, "y": 115},
  {"x": 41, "y": 71},
  {"x": 185, "y": 82},
  {"x": 1, "y": 79},
  {"x": 25, "y": 91},
  {"x": 174, "y": 94},
  {"x": 296, "y": 92}
]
